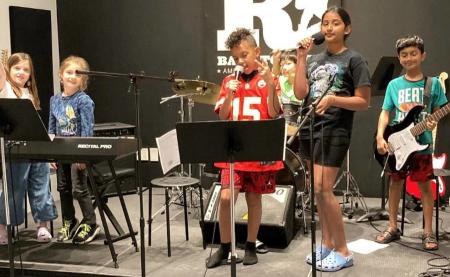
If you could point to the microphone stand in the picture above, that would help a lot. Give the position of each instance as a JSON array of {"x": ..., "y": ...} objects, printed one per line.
[
  {"x": 311, "y": 114},
  {"x": 6, "y": 198},
  {"x": 134, "y": 87}
]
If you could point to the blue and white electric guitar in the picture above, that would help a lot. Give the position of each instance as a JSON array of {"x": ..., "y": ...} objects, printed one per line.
[{"x": 401, "y": 138}]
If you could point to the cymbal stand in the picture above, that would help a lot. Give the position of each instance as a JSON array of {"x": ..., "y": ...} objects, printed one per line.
[
  {"x": 176, "y": 192},
  {"x": 351, "y": 191},
  {"x": 194, "y": 201}
]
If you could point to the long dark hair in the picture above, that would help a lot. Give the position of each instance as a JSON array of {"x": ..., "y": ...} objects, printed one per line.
[{"x": 343, "y": 14}]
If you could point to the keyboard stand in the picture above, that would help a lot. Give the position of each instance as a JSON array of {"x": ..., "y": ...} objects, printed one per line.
[{"x": 102, "y": 208}]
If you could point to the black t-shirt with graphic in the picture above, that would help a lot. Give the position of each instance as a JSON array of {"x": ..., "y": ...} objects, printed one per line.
[{"x": 337, "y": 74}]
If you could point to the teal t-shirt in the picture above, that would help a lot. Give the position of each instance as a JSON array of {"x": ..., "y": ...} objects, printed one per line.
[{"x": 402, "y": 95}]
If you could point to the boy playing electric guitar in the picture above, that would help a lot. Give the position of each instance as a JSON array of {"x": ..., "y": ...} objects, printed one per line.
[{"x": 403, "y": 94}]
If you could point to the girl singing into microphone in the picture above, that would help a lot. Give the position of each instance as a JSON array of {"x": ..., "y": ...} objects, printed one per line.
[{"x": 343, "y": 76}]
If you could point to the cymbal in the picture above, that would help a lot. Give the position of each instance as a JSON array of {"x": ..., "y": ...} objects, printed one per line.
[{"x": 200, "y": 91}]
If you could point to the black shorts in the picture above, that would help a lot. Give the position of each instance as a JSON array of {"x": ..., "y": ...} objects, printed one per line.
[{"x": 329, "y": 153}]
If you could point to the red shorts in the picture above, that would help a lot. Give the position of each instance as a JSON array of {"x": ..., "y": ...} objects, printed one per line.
[
  {"x": 420, "y": 169},
  {"x": 246, "y": 181}
]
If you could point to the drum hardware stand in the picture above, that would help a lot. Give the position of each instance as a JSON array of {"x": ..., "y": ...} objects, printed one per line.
[
  {"x": 351, "y": 191},
  {"x": 382, "y": 213},
  {"x": 302, "y": 209},
  {"x": 176, "y": 190}
]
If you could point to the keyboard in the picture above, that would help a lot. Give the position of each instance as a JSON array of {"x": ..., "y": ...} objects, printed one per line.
[{"x": 82, "y": 149}]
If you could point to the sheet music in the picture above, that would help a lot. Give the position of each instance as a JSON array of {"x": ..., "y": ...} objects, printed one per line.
[{"x": 169, "y": 156}]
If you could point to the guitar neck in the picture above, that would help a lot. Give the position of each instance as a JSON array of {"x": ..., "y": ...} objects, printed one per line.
[{"x": 436, "y": 116}]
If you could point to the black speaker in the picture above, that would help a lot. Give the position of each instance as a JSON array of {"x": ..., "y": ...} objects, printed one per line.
[{"x": 277, "y": 222}]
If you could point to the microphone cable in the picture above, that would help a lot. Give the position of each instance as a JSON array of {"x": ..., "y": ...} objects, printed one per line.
[{"x": 435, "y": 268}]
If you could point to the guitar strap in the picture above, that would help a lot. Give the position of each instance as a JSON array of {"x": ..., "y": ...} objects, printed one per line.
[{"x": 427, "y": 91}]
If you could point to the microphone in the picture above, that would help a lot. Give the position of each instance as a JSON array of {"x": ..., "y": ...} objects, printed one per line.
[
  {"x": 318, "y": 38},
  {"x": 82, "y": 72},
  {"x": 238, "y": 70}
]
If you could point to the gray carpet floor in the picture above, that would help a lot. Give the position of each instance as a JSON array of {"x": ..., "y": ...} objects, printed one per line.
[{"x": 188, "y": 257}]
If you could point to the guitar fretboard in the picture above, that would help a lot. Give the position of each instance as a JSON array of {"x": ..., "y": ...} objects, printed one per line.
[{"x": 436, "y": 116}]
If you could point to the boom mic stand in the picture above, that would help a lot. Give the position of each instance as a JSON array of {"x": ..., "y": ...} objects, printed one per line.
[
  {"x": 134, "y": 87},
  {"x": 311, "y": 115}
]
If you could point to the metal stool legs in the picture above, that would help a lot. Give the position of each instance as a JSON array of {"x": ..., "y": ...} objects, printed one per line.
[
  {"x": 202, "y": 215},
  {"x": 186, "y": 229},
  {"x": 186, "y": 223},
  {"x": 169, "y": 253}
]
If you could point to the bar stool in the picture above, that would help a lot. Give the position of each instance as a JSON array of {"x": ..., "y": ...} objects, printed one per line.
[{"x": 171, "y": 182}]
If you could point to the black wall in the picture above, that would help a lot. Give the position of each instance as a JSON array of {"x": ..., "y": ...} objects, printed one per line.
[
  {"x": 160, "y": 36},
  {"x": 31, "y": 33}
]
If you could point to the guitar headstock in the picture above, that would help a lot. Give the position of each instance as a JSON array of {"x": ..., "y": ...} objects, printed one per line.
[
  {"x": 4, "y": 58},
  {"x": 442, "y": 77}
]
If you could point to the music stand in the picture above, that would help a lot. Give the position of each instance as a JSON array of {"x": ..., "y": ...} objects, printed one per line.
[
  {"x": 19, "y": 120},
  {"x": 387, "y": 69},
  {"x": 231, "y": 141}
]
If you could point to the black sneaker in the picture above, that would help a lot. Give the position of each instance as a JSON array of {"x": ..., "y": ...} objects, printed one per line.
[
  {"x": 86, "y": 233},
  {"x": 67, "y": 231},
  {"x": 218, "y": 258},
  {"x": 250, "y": 257},
  {"x": 221, "y": 257}
]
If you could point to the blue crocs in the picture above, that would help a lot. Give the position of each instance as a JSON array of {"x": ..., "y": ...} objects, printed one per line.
[
  {"x": 321, "y": 253},
  {"x": 335, "y": 262}
]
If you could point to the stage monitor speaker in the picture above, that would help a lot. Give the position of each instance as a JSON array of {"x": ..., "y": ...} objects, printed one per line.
[{"x": 277, "y": 223}]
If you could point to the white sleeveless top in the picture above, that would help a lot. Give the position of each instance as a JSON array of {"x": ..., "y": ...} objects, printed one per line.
[{"x": 7, "y": 92}]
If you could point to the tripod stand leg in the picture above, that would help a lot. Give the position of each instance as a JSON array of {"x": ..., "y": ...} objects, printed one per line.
[
  {"x": 202, "y": 216},
  {"x": 305, "y": 227}
]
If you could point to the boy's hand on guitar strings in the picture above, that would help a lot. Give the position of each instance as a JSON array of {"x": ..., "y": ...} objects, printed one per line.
[{"x": 431, "y": 124}]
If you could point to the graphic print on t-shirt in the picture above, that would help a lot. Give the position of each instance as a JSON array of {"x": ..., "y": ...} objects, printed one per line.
[
  {"x": 321, "y": 78},
  {"x": 68, "y": 122},
  {"x": 408, "y": 98}
]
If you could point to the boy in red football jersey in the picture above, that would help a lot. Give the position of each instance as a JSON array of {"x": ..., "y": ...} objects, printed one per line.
[{"x": 254, "y": 96}]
